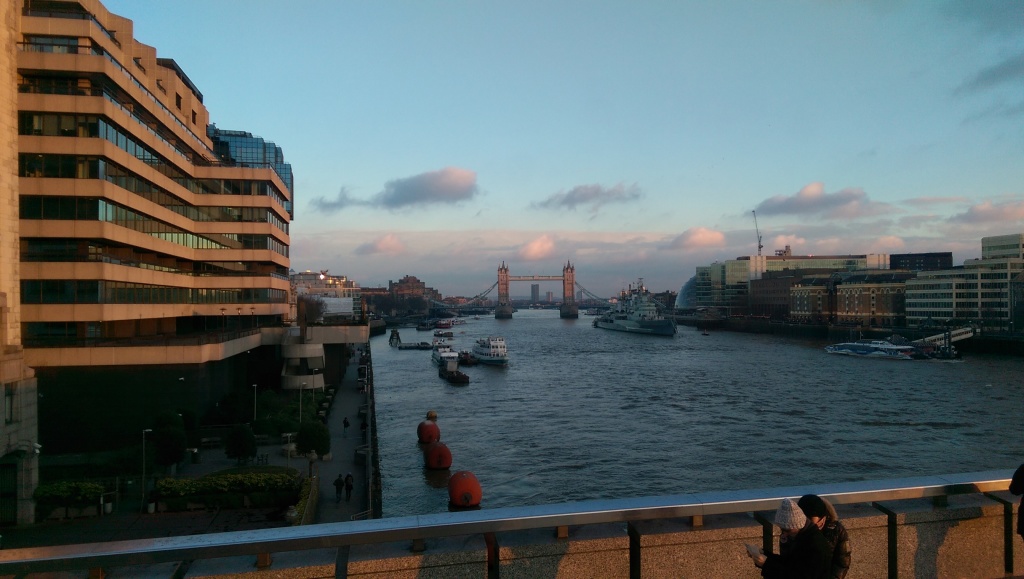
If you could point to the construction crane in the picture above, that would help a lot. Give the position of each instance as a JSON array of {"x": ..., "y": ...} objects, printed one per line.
[{"x": 758, "y": 231}]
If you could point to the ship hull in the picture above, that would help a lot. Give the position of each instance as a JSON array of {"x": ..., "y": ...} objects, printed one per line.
[{"x": 649, "y": 327}]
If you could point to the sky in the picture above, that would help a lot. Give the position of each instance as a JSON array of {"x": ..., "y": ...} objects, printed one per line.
[{"x": 632, "y": 139}]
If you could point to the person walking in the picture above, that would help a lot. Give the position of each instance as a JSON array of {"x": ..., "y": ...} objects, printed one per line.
[
  {"x": 822, "y": 514},
  {"x": 339, "y": 484},
  {"x": 349, "y": 483},
  {"x": 806, "y": 554},
  {"x": 344, "y": 427},
  {"x": 1017, "y": 488}
]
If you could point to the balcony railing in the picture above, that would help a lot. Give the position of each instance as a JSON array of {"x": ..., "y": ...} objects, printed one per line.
[{"x": 490, "y": 521}]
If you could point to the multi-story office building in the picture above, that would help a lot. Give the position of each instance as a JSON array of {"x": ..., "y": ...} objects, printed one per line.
[
  {"x": 19, "y": 457},
  {"x": 534, "y": 293},
  {"x": 979, "y": 292},
  {"x": 921, "y": 261},
  {"x": 727, "y": 284},
  {"x": 152, "y": 247}
]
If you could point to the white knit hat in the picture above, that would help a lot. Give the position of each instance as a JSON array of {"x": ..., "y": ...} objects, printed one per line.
[{"x": 789, "y": 515}]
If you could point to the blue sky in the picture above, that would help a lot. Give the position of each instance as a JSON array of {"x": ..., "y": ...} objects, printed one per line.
[{"x": 439, "y": 139}]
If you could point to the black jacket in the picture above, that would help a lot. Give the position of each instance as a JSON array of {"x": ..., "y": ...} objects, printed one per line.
[
  {"x": 837, "y": 536},
  {"x": 809, "y": 556},
  {"x": 1017, "y": 488}
]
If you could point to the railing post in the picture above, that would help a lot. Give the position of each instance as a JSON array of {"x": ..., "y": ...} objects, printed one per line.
[
  {"x": 263, "y": 560},
  {"x": 893, "y": 543},
  {"x": 1008, "y": 531}
]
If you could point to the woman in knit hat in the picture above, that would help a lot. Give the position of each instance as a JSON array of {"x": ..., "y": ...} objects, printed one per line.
[
  {"x": 823, "y": 515},
  {"x": 807, "y": 554}
]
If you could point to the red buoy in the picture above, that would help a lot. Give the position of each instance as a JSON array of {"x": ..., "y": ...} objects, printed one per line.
[
  {"x": 428, "y": 432},
  {"x": 464, "y": 490},
  {"x": 437, "y": 456}
]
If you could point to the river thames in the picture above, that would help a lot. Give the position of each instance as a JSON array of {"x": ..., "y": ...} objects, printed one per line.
[{"x": 583, "y": 413}]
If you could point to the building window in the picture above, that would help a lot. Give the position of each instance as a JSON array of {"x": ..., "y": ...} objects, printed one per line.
[
  {"x": 193, "y": 117},
  {"x": 177, "y": 101},
  {"x": 8, "y": 403}
]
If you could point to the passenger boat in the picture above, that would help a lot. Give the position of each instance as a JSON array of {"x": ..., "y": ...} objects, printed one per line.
[
  {"x": 874, "y": 349},
  {"x": 443, "y": 334},
  {"x": 637, "y": 313},
  {"x": 491, "y": 350},
  {"x": 443, "y": 354}
]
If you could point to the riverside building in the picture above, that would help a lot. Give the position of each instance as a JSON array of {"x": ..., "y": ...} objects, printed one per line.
[{"x": 147, "y": 268}]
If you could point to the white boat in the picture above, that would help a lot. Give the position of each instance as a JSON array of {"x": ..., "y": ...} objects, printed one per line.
[
  {"x": 491, "y": 350},
  {"x": 874, "y": 349},
  {"x": 637, "y": 313},
  {"x": 443, "y": 353}
]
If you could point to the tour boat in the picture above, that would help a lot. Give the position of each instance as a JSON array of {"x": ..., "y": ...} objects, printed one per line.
[{"x": 491, "y": 350}]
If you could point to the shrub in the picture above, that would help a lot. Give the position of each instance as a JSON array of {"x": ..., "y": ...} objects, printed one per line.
[{"x": 68, "y": 494}]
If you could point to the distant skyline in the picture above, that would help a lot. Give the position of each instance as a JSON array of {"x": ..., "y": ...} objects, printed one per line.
[{"x": 631, "y": 138}]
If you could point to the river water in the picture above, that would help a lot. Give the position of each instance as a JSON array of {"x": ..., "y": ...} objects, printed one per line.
[{"x": 583, "y": 413}]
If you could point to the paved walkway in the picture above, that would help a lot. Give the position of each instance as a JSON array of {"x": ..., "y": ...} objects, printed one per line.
[{"x": 128, "y": 523}]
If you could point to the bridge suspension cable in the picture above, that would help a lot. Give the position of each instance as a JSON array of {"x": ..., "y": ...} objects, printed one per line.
[
  {"x": 477, "y": 298},
  {"x": 591, "y": 295}
]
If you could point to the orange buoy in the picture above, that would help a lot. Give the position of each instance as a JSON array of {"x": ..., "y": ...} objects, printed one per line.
[
  {"x": 428, "y": 432},
  {"x": 437, "y": 456},
  {"x": 464, "y": 490}
]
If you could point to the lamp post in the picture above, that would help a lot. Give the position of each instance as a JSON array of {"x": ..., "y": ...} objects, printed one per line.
[
  {"x": 144, "y": 468},
  {"x": 303, "y": 389},
  {"x": 254, "y": 404}
]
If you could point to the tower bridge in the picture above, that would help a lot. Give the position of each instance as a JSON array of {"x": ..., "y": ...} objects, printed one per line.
[{"x": 568, "y": 309}]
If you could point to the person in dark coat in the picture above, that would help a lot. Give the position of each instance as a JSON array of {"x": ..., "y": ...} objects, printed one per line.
[
  {"x": 349, "y": 483},
  {"x": 823, "y": 515},
  {"x": 1017, "y": 488},
  {"x": 339, "y": 484},
  {"x": 807, "y": 554}
]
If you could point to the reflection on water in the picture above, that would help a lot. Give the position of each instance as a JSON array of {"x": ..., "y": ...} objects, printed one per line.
[{"x": 583, "y": 413}]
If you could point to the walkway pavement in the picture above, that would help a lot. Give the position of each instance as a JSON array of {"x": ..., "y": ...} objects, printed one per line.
[{"x": 127, "y": 522}]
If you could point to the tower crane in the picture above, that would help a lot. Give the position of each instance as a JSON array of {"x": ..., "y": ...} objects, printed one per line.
[{"x": 758, "y": 231}]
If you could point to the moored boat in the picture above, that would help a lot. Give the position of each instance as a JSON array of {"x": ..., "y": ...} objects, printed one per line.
[
  {"x": 450, "y": 372},
  {"x": 637, "y": 313},
  {"x": 874, "y": 349},
  {"x": 491, "y": 350}
]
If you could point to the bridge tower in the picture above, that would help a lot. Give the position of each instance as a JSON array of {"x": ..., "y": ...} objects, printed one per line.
[
  {"x": 503, "y": 311},
  {"x": 569, "y": 309}
]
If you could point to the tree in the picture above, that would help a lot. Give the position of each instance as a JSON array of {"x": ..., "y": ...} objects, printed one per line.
[
  {"x": 240, "y": 443},
  {"x": 313, "y": 437},
  {"x": 310, "y": 309}
]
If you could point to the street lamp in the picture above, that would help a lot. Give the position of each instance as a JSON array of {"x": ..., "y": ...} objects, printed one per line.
[
  {"x": 144, "y": 468},
  {"x": 303, "y": 389},
  {"x": 254, "y": 403}
]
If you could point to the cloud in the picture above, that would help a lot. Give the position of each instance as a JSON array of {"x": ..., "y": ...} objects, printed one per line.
[
  {"x": 1009, "y": 71},
  {"x": 698, "y": 238},
  {"x": 849, "y": 203},
  {"x": 887, "y": 244},
  {"x": 341, "y": 201},
  {"x": 933, "y": 201},
  {"x": 989, "y": 212},
  {"x": 542, "y": 247},
  {"x": 387, "y": 245},
  {"x": 591, "y": 196},
  {"x": 449, "y": 185}
]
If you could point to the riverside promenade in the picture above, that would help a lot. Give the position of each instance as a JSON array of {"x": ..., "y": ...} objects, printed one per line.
[{"x": 129, "y": 521}]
